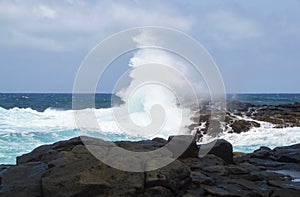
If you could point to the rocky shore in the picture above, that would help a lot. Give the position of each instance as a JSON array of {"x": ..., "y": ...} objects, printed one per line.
[
  {"x": 67, "y": 168},
  {"x": 241, "y": 117},
  {"x": 287, "y": 115}
]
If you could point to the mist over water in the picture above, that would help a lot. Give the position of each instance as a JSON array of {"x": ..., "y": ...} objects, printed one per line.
[
  {"x": 22, "y": 129},
  {"x": 156, "y": 103},
  {"x": 158, "y": 96},
  {"x": 49, "y": 118}
]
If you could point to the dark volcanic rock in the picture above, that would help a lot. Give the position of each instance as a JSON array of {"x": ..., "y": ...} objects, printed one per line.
[
  {"x": 289, "y": 154},
  {"x": 222, "y": 149},
  {"x": 68, "y": 169},
  {"x": 4, "y": 167},
  {"x": 280, "y": 115},
  {"x": 239, "y": 126},
  {"x": 285, "y": 192},
  {"x": 238, "y": 118},
  {"x": 174, "y": 177},
  {"x": 33, "y": 156},
  {"x": 90, "y": 177},
  {"x": 238, "y": 108},
  {"x": 181, "y": 141},
  {"x": 22, "y": 180},
  {"x": 158, "y": 191}
]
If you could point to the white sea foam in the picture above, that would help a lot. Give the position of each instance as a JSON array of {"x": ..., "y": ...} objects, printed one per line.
[
  {"x": 157, "y": 78},
  {"x": 26, "y": 120},
  {"x": 21, "y": 130},
  {"x": 265, "y": 135}
]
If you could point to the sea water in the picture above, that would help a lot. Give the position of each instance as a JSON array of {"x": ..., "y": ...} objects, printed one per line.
[{"x": 30, "y": 120}]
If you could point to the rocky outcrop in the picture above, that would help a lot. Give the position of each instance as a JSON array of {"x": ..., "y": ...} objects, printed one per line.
[
  {"x": 67, "y": 168},
  {"x": 239, "y": 108},
  {"x": 239, "y": 126},
  {"x": 188, "y": 141},
  {"x": 22, "y": 180},
  {"x": 241, "y": 117},
  {"x": 265, "y": 172},
  {"x": 281, "y": 115},
  {"x": 223, "y": 150}
]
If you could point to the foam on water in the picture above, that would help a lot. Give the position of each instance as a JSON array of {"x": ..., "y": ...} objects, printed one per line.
[
  {"x": 21, "y": 130},
  {"x": 265, "y": 135},
  {"x": 26, "y": 120}
]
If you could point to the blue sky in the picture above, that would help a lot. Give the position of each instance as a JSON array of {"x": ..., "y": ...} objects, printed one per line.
[{"x": 256, "y": 44}]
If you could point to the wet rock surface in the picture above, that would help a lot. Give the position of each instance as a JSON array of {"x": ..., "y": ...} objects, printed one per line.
[
  {"x": 67, "y": 168},
  {"x": 280, "y": 115},
  {"x": 241, "y": 117}
]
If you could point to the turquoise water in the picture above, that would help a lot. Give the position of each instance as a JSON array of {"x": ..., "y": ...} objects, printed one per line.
[{"x": 30, "y": 120}]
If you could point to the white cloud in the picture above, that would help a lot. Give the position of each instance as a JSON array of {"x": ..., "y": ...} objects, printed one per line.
[
  {"x": 76, "y": 24},
  {"x": 46, "y": 11}
]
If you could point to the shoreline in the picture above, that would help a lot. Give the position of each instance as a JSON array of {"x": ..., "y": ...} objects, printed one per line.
[
  {"x": 67, "y": 168},
  {"x": 31, "y": 127}
]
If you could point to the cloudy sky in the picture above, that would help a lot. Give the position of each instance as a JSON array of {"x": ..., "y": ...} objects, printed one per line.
[{"x": 256, "y": 44}]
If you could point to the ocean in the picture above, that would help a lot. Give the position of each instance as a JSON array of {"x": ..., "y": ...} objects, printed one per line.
[
  {"x": 265, "y": 99},
  {"x": 31, "y": 120}
]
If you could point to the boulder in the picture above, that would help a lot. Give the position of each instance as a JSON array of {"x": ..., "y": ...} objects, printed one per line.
[
  {"x": 22, "y": 180},
  {"x": 187, "y": 143},
  {"x": 33, "y": 156},
  {"x": 67, "y": 169},
  {"x": 291, "y": 155},
  {"x": 239, "y": 126},
  {"x": 222, "y": 149}
]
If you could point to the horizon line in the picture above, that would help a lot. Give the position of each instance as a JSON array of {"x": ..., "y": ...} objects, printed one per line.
[{"x": 229, "y": 93}]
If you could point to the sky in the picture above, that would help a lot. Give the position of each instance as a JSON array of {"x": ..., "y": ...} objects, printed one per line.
[{"x": 255, "y": 44}]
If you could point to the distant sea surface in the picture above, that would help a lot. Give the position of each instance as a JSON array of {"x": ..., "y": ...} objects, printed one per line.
[
  {"x": 30, "y": 120},
  {"x": 41, "y": 102},
  {"x": 265, "y": 99}
]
